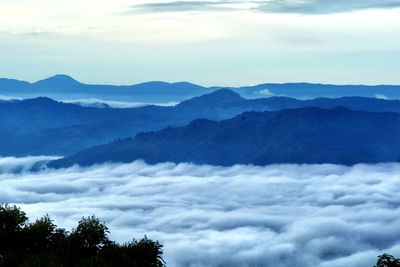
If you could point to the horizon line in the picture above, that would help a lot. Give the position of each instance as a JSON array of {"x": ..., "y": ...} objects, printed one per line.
[{"x": 197, "y": 84}]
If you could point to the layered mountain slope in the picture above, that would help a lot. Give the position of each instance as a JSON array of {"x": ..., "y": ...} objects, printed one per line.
[
  {"x": 42, "y": 126},
  {"x": 306, "y": 135}
]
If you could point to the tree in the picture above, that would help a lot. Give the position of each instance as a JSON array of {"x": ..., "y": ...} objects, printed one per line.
[
  {"x": 90, "y": 233},
  {"x": 86, "y": 241},
  {"x": 12, "y": 221},
  {"x": 144, "y": 252},
  {"x": 386, "y": 260},
  {"x": 43, "y": 234},
  {"x": 41, "y": 243}
]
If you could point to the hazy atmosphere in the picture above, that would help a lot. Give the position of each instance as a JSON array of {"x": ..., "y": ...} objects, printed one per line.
[
  {"x": 200, "y": 133},
  {"x": 225, "y": 42}
]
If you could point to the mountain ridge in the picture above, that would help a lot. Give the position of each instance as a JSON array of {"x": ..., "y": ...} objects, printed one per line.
[
  {"x": 57, "y": 80},
  {"x": 43, "y": 126},
  {"x": 63, "y": 86},
  {"x": 308, "y": 135}
]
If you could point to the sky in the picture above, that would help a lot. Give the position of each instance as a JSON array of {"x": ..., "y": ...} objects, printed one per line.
[
  {"x": 216, "y": 42},
  {"x": 208, "y": 216}
]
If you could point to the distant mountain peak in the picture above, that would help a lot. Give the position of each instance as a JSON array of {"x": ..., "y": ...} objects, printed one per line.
[
  {"x": 38, "y": 101},
  {"x": 58, "y": 79},
  {"x": 183, "y": 86},
  {"x": 226, "y": 93},
  {"x": 220, "y": 96},
  {"x": 183, "y": 83}
]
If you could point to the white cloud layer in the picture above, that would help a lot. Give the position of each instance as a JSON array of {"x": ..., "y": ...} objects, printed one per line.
[
  {"x": 8, "y": 98},
  {"x": 382, "y": 96},
  {"x": 101, "y": 103},
  {"x": 265, "y": 93},
  {"x": 282, "y": 215},
  {"x": 22, "y": 165}
]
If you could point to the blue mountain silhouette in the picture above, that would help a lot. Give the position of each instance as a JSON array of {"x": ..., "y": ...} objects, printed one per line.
[
  {"x": 44, "y": 126},
  {"x": 306, "y": 135},
  {"x": 62, "y": 86}
]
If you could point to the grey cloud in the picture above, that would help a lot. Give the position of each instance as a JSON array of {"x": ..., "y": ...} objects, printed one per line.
[
  {"x": 182, "y": 6},
  {"x": 271, "y": 6},
  {"x": 279, "y": 215},
  {"x": 323, "y": 6}
]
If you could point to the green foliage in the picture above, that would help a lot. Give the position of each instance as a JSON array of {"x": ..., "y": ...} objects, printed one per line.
[
  {"x": 12, "y": 222},
  {"x": 42, "y": 244},
  {"x": 90, "y": 234},
  {"x": 386, "y": 260},
  {"x": 12, "y": 219},
  {"x": 43, "y": 234}
]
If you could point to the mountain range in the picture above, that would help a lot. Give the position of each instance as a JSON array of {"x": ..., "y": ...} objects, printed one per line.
[
  {"x": 65, "y": 87},
  {"x": 306, "y": 135},
  {"x": 42, "y": 126}
]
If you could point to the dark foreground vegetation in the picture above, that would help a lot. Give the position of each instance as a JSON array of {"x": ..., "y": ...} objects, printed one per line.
[
  {"x": 386, "y": 260},
  {"x": 43, "y": 244}
]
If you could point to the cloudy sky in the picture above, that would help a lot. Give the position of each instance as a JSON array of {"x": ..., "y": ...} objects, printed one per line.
[
  {"x": 221, "y": 42},
  {"x": 277, "y": 216}
]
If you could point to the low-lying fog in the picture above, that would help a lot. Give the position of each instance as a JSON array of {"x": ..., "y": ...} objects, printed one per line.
[{"x": 281, "y": 215}]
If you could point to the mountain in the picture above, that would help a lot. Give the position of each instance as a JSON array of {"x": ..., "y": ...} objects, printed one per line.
[
  {"x": 62, "y": 86},
  {"x": 42, "y": 126},
  {"x": 217, "y": 98},
  {"x": 315, "y": 90},
  {"x": 57, "y": 80},
  {"x": 354, "y": 103},
  {"x": 306, "y": 135},
  {"x": 4, "y": 82}
]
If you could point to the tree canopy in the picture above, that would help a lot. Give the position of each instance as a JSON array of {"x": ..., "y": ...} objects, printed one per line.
[
  {"x": 42, "y": 244},
  {"x": 387, "y": 260}
]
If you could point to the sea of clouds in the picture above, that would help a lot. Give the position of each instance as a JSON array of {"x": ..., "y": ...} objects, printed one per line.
[{"x": 280, "y": 215}]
